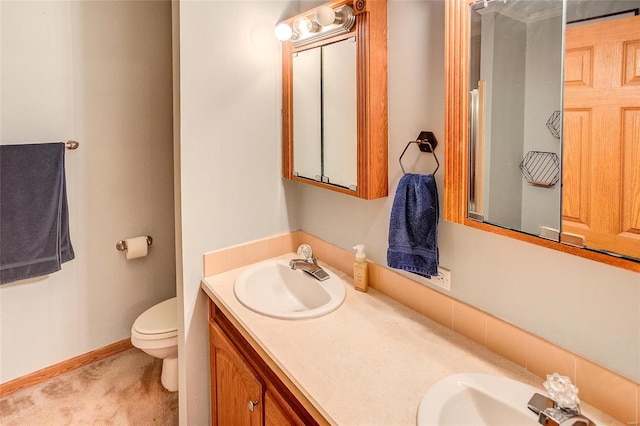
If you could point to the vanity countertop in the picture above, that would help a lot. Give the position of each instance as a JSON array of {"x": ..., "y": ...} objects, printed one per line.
[{"x": 370, "y": 361}]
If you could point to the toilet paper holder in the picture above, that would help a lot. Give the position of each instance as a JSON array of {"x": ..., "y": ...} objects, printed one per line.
[{"x": 122, "y": 244}]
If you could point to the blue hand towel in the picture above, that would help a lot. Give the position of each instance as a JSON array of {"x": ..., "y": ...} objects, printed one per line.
[
  {"x": 413, "y": 228},
  {"x": 34, "y": 217}
]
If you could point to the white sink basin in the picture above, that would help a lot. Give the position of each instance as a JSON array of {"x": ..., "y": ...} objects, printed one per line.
[
  {"x": 273, "y": 289},
  {"x": 479, "y": 399}
]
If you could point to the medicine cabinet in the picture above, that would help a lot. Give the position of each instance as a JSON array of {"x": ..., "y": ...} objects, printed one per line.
[
  {"x": 592, "y": 156},
  {"x": 334, "y": 102}
]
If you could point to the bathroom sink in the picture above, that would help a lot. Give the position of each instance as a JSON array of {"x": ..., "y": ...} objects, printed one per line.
[
  {"x": 478, "y": 399},
  {"x": 273, "y": 289}
]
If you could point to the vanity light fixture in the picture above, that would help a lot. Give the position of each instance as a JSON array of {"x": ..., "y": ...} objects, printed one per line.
[{"x": 326, "y": 22}]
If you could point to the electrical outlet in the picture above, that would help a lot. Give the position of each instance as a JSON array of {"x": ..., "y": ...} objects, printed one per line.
[{"x": 442, "y": 280}]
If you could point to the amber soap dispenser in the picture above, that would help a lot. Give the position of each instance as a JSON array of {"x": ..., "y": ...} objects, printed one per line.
[{"x": 360, "y": 271}]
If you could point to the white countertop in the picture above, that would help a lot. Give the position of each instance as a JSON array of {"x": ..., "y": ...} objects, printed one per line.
[{"x": 370, "y": 361}]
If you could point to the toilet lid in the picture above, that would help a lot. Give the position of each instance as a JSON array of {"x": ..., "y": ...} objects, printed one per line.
[{"x": 158, "y": 319}]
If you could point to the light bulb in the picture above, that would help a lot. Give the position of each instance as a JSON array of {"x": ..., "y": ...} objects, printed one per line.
[
  {"x": 325, "y": 16},
  {"x": 283, "y": 31},
  {"x": 304, "y": 25}
]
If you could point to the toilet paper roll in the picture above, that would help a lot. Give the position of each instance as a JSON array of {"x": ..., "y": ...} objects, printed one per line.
[{"x": 137, "y": 247}]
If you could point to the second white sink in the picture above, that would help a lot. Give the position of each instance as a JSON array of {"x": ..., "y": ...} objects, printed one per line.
[
  {"x": 273, "y": 289},
  {"x": 478, "y": 399}
]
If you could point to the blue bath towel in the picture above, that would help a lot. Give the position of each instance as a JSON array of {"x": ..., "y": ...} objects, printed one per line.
[
  {"x": 34, "y": 217},
  {"x": 413, "y": 228}
]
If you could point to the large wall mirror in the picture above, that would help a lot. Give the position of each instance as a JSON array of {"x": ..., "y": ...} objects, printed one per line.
[
  {"x": 548, "y": 130},
  {"x": 334, "y": 88}
]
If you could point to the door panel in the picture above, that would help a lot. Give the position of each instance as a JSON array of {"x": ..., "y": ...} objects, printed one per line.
[{"x": 601, "y": 172}]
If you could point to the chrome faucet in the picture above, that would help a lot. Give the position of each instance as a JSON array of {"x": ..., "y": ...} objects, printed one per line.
[
  {"x": 549, "y": 413},
  {"x": 308, "y": 263}
]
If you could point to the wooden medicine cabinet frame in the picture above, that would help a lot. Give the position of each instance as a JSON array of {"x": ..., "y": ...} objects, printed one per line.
[
  {"x": 370, "y": 30},
  {"x": 456, "y": 136}
]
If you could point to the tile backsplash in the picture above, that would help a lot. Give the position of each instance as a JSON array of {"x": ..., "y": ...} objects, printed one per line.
[{"x": 613, "y": 394}]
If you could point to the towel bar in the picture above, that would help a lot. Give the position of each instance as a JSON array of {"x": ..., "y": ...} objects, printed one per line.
[
  {"x": 71, "y": 144},
  {"x": 427, "y": 142}
]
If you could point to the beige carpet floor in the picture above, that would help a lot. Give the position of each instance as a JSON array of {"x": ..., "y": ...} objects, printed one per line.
[{"x": 123, "y": 389}]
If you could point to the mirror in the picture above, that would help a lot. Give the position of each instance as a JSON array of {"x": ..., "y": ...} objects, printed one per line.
[
  {"x": 515, "y": 72},
  {"x": 334, "y": 88},
  {"x": 509, "y": 112},
  {"x": 516, "y": 132},
  {"x": 325, "y": 115}
]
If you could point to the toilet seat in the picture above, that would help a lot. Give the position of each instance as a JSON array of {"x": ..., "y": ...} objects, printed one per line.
[{"x": 157, "y": 322}]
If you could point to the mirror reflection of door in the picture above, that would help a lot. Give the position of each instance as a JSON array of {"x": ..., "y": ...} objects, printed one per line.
[{"x": 601, "y": 144}]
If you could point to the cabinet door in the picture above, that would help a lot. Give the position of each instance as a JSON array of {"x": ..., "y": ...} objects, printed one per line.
[
  {"x": 236, "y": 391},
  {"x": 279, "y": 413},
  {"x": 307, "y": 113},
  {"x": 325, "y": 128},
  {"x": 340, "y": 114}
]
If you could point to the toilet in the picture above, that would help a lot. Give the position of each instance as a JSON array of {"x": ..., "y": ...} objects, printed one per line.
[{"x": 155, "y": 332}]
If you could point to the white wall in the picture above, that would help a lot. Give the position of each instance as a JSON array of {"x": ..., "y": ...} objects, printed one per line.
[
  {"x": 99, "y": 73},
  {"x": 231, "y": 185}
]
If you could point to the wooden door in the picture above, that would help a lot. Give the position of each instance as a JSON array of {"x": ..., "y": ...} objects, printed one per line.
[
  {"x": 236, "y": 392},
  {"x": 601, "y": 146}
]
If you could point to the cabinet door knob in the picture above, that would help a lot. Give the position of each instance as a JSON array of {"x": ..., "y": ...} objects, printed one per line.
[{"x": 252, "y": 405}]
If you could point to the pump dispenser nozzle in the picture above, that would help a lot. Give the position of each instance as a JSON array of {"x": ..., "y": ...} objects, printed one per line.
[{"x": 360, "y": 254}]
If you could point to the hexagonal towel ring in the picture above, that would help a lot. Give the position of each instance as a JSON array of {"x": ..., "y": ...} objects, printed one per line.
[
  {"x": 554, "y": 123},
  {"x": 541, "y": 168}
]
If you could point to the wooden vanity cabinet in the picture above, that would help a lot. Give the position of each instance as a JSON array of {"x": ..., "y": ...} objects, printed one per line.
[{"x": 244, "y": 389}]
